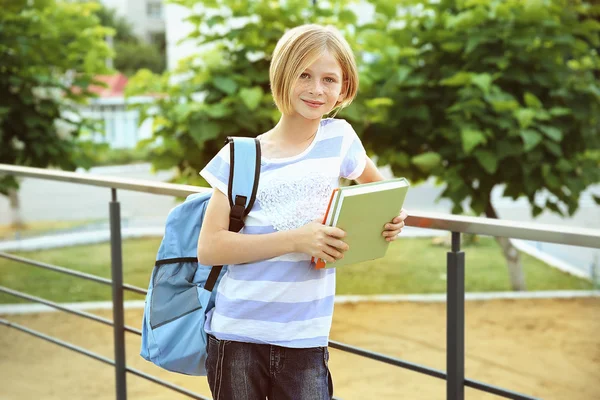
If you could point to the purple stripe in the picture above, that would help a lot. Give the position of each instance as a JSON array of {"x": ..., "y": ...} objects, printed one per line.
[
  {"x": 258, "y": 230},
  {"x": 355, "y": 155},
  {"x": 278, "y": 271},
  {"x": 274, "y": 311},
  {"x": 318, "y": 341},
  {"x": 325, "y": 148},
  {"x": 327, "y": 121}
]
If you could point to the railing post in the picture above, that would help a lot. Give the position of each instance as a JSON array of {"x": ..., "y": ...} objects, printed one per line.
[
  {"x": 455, "y": 321},
  {"x": 117, "y": 296}
]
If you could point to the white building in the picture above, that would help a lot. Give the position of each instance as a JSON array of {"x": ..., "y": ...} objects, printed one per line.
[
  {"x": 122, "y": 127},
  {"x": 145, "y": 16}
]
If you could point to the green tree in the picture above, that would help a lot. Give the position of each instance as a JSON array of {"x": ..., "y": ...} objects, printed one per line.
[
  {"x": 223, "y": 90},
  {"x": 481, "y": 93},
  {"x": 123, "y": 29},
  {"x": 131, "y": 53},
  {"x": 134, "y": 56},
  {"x": 49, "y": 51}
]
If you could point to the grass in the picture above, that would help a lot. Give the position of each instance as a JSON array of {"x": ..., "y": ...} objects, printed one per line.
[
  {"x": 31, "y": 229},
  {"x": 413, "y": 265}
]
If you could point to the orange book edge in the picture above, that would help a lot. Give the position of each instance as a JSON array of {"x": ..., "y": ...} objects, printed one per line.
[{"x": 320, "y": 263}]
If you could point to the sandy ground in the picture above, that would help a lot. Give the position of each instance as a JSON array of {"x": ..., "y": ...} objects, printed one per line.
[{"x": 544, "y": 348}]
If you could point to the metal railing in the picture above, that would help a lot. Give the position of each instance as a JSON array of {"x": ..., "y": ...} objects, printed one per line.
[{"x": 455, "y": 314}]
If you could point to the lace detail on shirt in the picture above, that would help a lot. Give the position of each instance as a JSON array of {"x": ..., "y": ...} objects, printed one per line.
[{"x": 294, "y": 202}]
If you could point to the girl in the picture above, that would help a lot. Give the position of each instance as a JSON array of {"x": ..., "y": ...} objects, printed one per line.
[{"x": 269, "y": 329}]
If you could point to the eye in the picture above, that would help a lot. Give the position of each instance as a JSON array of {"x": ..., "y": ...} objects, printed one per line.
[
  {"x": 304, "y": 75},
  {"x": 329, "y": 80}
]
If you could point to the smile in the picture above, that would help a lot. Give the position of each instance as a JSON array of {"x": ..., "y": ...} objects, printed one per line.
[{"x": 313, "y": 104}]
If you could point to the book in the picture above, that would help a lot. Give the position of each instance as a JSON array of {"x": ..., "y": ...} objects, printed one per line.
[
  {"x": 327, "y": 217},
  {"x": 362, "y": 212}
]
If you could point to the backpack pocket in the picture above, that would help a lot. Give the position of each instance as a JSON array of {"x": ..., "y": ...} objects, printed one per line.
[{"x": 174, "y": 294}]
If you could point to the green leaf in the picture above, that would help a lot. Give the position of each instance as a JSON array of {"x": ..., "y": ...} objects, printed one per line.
[
  {"x": 530, "y": 138},
  {"x": 504, "y": 105},
  {"x": 218, "y": 110},
  {"x": 452, "y": 47},
  {"x": 251, "y": 97},
  {"x": 471, "y": 138},
  {"x": 203, "y": 131},
  {"x": 487, "y": 160},
  {"x": 552, "y": 132},
  {"x": 524, "y": 116},
  {"x": 564, "y": 165},
  {"x": 483, "y": 81},
  {"x": 224, "y": 84},
  {"x": 559, "y": 111},
  {"x": 427, "y": 161},
  {"x": 507, "y": 148},
  {"x": 379, "y": 102},
  {"x": 554, "y": 148},
  {"x": 347, "y": 17},
  {"x": 532, "y": 101},
  {"x": 458, "y": 79}
]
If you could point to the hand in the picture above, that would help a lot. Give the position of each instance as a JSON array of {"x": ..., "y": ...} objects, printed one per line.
[
  {"x": 393, "y": 228},
  {"x": 320, "y": 241}
]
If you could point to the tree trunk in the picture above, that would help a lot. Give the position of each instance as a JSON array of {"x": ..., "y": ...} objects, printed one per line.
[
  {"x": 15, "y": 209},
  {"x": 513, "y": 259}
]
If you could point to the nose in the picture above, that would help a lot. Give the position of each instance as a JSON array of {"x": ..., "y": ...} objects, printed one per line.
[{"x": 316, "y": 87}]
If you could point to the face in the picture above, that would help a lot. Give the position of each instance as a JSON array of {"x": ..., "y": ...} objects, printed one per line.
[{"x": 318, "y": 89}]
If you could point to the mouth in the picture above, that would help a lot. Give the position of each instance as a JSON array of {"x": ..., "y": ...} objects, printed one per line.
[{"x": 313, "y": 104}]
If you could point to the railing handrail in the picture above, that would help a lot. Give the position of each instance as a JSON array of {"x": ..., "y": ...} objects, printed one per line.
[{"x": 568, "y": 235}]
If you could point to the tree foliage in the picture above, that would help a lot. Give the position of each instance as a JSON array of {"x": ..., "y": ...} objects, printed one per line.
[
  {"x": 477, "y": 93},
  {"x": 49, "y": 52},
  {"x": 486, "y": 92}
]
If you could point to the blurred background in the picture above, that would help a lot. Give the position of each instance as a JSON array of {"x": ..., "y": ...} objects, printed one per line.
[{"x": 489, "y": 107}]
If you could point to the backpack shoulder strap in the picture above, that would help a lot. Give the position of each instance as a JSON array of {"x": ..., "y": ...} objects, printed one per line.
[{"x": 244, "y": 174}]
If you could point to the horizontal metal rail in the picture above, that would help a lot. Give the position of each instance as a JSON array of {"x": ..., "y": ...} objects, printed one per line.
[
  {"x": 137, "y": 185},
  {"x": 101, "y": 358},
  {"x": 71, "y": 272},
  {"x": 447, "y": 222},
  {"x": 427, "y": 371},
  {"x": 65, "y": 309}
]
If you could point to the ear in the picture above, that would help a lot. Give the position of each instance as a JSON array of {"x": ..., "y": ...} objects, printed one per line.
[{"x": 341, "y": 98}]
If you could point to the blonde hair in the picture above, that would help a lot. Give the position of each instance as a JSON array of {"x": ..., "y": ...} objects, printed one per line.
[{"x": 297, "y": 49}]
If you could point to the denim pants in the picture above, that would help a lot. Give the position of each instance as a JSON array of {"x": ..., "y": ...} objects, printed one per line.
[{"x": 248, "y": 371}]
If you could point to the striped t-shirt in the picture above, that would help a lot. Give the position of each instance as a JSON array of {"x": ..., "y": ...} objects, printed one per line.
[{"x": 284, "y": 300}]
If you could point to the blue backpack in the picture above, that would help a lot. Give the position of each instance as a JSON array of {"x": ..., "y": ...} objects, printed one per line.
[{"x": 181, "y": 292}]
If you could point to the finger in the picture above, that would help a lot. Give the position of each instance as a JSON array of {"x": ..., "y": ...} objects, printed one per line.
[
  {"x": 338, "y": 244},
  {"x": 400, "y": 218},
  {"x": 330, "y": 254},
  {"x": 335, "y": 232}
]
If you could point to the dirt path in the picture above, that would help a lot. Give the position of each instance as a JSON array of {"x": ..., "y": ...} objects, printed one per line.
[{"x": 545, "y": 348}]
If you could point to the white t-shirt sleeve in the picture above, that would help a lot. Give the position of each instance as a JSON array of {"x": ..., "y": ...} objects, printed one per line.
[
  {"x": 216, "y": 172},
  {"x": 353, "y": 154}
]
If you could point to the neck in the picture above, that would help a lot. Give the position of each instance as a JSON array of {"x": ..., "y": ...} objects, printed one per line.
[{"x": 295, "y": 128}]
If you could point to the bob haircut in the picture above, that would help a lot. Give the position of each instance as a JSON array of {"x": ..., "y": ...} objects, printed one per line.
[{"x": 297, "y": 49}]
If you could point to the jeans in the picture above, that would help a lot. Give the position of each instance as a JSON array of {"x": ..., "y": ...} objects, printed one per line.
[{"x": 248, "y": 371}]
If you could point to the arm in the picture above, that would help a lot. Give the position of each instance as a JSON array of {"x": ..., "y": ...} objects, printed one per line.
[
  {"x": 370, "y": 173},
  {"x": 219, "y": 246}
]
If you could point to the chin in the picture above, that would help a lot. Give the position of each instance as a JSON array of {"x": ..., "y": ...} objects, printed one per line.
[{"x": 312, "y": 115}]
